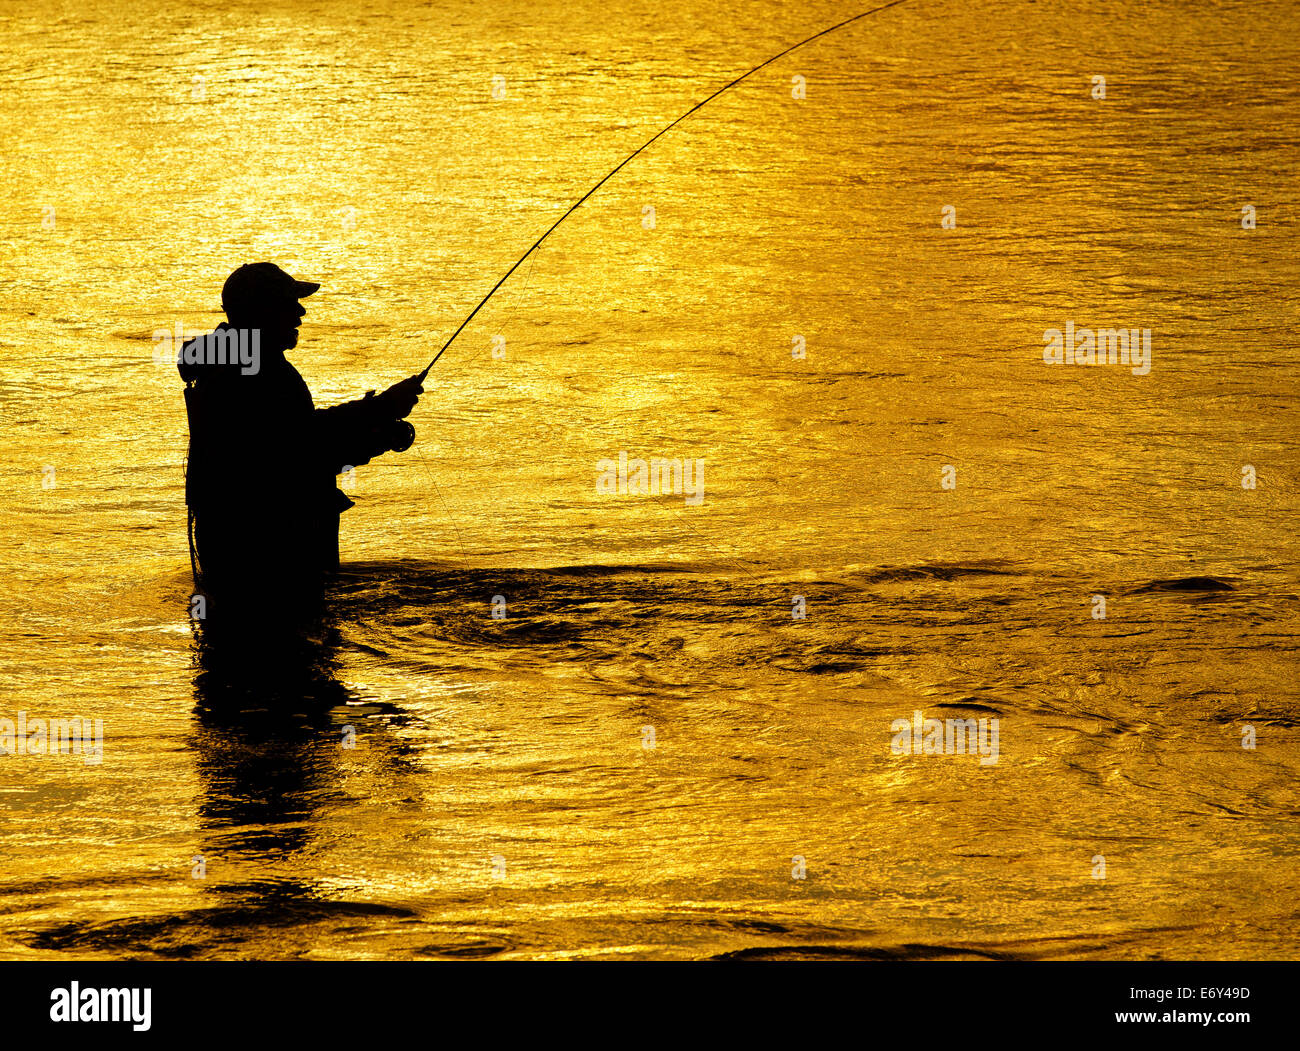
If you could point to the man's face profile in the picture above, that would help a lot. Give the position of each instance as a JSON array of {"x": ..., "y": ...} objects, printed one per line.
[{"x": 278, "y": 319}]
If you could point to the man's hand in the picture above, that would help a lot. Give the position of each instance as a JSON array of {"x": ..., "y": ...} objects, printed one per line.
[{"x": 401, "y": 397}]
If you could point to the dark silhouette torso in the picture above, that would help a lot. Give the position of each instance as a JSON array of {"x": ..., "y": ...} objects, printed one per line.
[{"x": 260, "y": 480}]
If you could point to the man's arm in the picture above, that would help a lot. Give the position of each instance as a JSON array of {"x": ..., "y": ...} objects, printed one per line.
[{"x": 355, "y": 432}]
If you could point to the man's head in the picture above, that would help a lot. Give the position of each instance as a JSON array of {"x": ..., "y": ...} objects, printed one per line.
[{"x": 262, "y": 296}]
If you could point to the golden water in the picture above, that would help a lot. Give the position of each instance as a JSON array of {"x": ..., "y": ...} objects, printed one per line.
[{"x": 500, "y": 800}]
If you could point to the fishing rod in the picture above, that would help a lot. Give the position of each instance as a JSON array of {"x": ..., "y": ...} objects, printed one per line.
[{"x": 576, "y": 204}]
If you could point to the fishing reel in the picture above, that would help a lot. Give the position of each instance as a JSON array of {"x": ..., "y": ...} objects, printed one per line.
[
  {"x": 396, "y": 435},
  {"x": 389, "y": 435}
]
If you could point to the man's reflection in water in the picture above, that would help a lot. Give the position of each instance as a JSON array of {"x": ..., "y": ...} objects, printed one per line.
[{"x": 272, "y": 723}]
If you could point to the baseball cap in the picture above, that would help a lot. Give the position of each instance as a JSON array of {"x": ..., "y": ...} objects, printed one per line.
[{"x": 261, "y": 284}]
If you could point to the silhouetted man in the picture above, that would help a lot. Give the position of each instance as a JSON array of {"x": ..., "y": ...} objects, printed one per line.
[{"x": 260, "y": 476}]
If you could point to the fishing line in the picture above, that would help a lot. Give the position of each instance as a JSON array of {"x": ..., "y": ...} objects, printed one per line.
[
  {"x": 527, "y": 281},
  {"x": 445, "y": 509},
  {"x": 744, "y": 567}
]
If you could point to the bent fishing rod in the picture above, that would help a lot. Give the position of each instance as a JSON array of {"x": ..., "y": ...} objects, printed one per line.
[{"x": 578, "y": 203}]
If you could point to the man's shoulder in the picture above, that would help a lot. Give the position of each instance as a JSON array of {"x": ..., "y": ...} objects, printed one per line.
[{"x": 218, "y": 353}]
